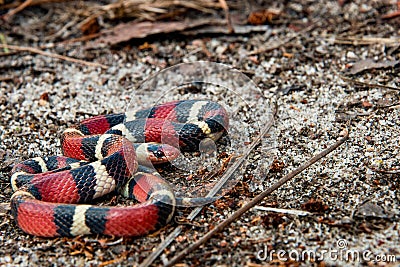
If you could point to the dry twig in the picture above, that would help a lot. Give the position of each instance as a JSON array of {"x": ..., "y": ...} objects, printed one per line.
[
  {"x": 370, "y": 85},
  {"x": 225, "y": 7},
  {"x": 19, "y": 8},
  {"x": 285, "y": 211},
  {"x": 382, "y": 170},
  {"x": 255, "y": 201},
  {"x": 366, "y": 40},
  {"x": 394, "y": 14},
  {"x": 53, "y": 55}
]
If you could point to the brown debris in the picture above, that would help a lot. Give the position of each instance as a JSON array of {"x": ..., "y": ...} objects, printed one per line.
[
  {"x": 90, "y": 27},
  {"x": 44, "y": 99},
  {"x": 81, "y": 247},
  {"x": 364, "y": 227},
  {"x": 273, "y": 219},
  {"x": 277, "y": 166},
  {"x": 119, "y": 259},
  {"x": 366, "y": 104},
  {"x": 260, "y": 17},
  {"x": 314, "y": 205}
]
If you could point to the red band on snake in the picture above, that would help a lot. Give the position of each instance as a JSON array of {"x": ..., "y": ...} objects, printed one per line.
[{"x": 101, "y": 156}]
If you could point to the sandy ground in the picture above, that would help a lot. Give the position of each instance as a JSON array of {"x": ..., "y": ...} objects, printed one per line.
[{"x": 342, "y": 211}]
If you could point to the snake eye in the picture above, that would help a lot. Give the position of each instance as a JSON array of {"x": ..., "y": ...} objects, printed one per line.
[{"x": 159, "y": 154}]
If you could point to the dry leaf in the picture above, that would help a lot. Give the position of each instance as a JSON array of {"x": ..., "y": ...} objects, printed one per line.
[
  {"x": 133, "y": 30},
  {"x": 138, "y": 30},
  {"x": 368, "y": 64}
]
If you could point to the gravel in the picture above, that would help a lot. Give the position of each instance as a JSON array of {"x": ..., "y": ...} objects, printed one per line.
[{"x": 352, "y": 194}]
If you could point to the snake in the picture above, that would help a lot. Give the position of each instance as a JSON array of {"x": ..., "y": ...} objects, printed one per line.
[{"x": 112, "y": 154}]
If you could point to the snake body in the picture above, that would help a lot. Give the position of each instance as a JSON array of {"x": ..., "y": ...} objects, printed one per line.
[{"x": 105, "y": 154}]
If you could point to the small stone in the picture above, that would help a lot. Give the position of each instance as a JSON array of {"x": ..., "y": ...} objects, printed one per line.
[
  {"x": 370, "y": 210},
  {"x": 351, "y": 55}
]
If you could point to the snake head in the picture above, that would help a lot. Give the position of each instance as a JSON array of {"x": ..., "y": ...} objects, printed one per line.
[
  {"x": 155, "y": 153},
  {"x": 162, "y": 152}
]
